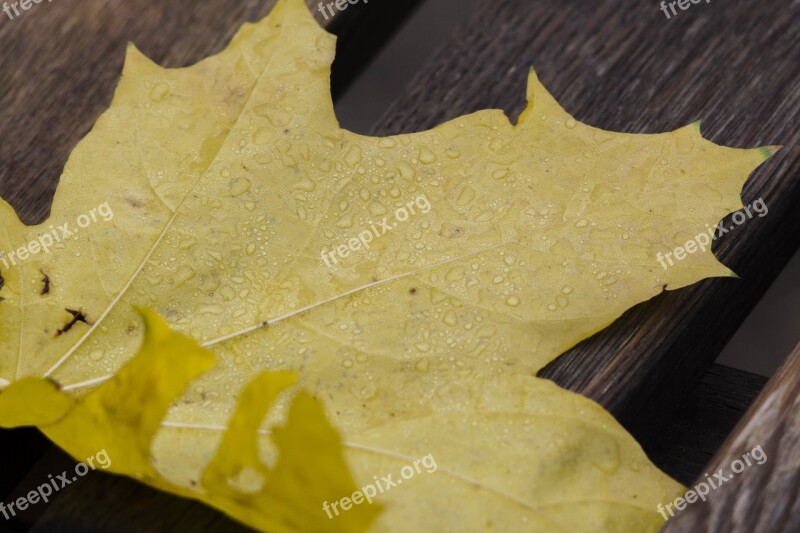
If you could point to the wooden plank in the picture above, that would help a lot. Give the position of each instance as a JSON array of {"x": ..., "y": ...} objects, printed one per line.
[
  {"x": 102, "y": 502},
  {"x": 689, "y": 438},
  {"x": 621, "y": 65},
  {"x": 761, "y": 497},
  {"x": 20, "y": 449}
]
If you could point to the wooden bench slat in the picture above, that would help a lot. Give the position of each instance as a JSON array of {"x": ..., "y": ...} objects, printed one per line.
[
  {"x": 763, "y": 497},
  {"x": 689, "y": 437},
  {"x": 101, "y": 502}
]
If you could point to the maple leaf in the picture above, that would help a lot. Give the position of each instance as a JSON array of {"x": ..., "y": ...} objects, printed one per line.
[{"x": 414, "y": 283}]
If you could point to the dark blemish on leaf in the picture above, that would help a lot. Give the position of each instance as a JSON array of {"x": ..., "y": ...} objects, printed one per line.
[
  {"x": 131, "y": 329},
  {"x": 285, "y": 130},
  {"x": 133, "y": 202},
  {"x": 45, "y": 283},
  {"x": 77, "y": 316},
  {"x": 412, "y": 290},
  {"x": 2, "y": 282},
  {"x": 451, "y": 232}
]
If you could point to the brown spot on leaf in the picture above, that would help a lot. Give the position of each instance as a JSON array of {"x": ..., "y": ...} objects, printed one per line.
[
  {"x": 134, "y": 202},
  {"x": 77, "y": 316},
  {"x": 45, "y": 283},
  {"x": 449, "y": 231}
]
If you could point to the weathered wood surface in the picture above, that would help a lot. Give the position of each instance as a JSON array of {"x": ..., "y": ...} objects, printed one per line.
[
  {"x": 101, "y": 502},
  {"x": 691, "y": 435},
  {"x": 762, "y": 497},
  {"x": 621, "y": 65}
]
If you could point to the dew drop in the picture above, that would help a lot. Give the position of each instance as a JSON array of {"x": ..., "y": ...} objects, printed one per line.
[
  {"x": 239, "y": 187},
  {"x": 500, "y": 173},
  {"x": 306, "y": 185},
  {"x": 353, "y": 156},
  {"x": 466, "y": 196},
  {"x": 159, "y": 92},
  {"x": 426, "y": 156}
]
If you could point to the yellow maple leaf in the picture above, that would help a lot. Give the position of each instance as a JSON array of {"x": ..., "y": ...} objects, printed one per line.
[{"x": 415, "y": 284}]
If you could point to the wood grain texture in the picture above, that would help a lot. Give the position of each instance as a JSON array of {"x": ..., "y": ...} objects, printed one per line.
[
  {"x": 104, "y": 503},
  {"x": 690, "y": 436},
  {"x": 621, "y": 65},
  {"x": 763, "y": 497}
]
